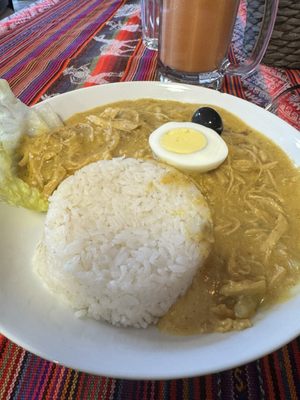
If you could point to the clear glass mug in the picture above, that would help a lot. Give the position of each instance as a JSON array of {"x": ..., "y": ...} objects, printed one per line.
[
  {"x": 150, "y": 23},
  {"x": 195, "y": 36}
]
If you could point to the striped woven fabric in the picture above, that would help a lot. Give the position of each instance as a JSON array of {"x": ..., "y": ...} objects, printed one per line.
[
  {"x": 60, "y": 45},
  {"x": 56, "y": 46},
  {"x": 26, "y": 376}
]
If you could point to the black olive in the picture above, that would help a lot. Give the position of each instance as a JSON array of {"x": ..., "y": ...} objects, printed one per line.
[{"x": 208, "y": 117}]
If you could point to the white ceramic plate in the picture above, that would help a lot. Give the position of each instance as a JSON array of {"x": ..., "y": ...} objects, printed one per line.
[{"x": 36, "y": 320}]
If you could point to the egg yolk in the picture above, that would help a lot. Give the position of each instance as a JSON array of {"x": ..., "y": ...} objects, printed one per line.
[{"x": 183, "y": 140}]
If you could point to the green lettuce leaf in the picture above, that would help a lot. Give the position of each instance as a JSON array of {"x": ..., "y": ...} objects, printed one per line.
[
  {"x": 17, "y": 119},
  {"x": 16, "y": 192}
]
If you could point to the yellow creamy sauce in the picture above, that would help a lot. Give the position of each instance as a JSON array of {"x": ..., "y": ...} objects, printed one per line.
[{"x": 254, "y": 198}]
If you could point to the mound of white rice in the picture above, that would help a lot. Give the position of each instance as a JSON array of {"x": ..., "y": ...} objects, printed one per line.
[{"x": 123, "y": 239}]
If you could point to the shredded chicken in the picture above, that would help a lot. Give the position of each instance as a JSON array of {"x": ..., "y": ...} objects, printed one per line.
[
  {"x": 246, "y": 306},
  {"x": 237, "y": 267},
  {"x": 244, "y": 287},
  {"x": 46, "y": 159},
  {"x": 277, "y": 276},
  {"x": 279, "y": 229}
]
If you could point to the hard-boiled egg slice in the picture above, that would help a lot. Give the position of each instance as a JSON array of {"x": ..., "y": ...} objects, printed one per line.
[{"x": 188, "y": 146}]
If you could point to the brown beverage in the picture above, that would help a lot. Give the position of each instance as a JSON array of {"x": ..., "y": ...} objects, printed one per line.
[{"x": 195, "y": 34}]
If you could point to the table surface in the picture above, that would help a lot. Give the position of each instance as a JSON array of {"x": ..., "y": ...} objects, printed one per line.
[{"x": 55, "y": 46}]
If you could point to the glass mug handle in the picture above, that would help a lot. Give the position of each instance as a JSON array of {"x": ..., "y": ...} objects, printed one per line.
[{"x": 246, "y": 67}]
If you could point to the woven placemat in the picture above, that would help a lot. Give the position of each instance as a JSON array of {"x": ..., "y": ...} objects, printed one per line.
[{"x": 284, "y": 46}]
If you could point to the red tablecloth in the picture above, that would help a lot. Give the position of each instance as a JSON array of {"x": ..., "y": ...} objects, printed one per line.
[{"x": 56, "y": 46}]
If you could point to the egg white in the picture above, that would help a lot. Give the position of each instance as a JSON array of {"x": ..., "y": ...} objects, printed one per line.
[{"x": 209, "y": 157}]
